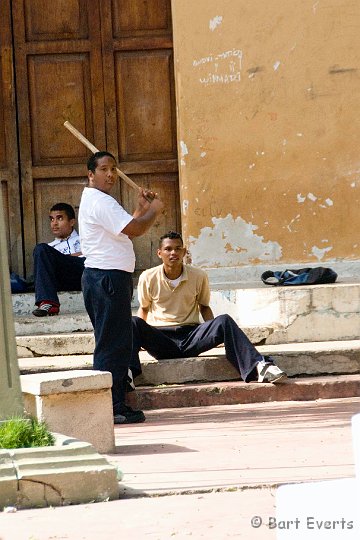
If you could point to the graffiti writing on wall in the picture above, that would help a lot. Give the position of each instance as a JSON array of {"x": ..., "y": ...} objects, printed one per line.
[{"x": 222, "y": 68}]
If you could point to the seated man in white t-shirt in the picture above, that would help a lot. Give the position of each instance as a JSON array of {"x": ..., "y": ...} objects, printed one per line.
[{"x": 58, "y": 266}]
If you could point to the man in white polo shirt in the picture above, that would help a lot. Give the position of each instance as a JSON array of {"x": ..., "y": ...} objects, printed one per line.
[
  {"x": 172, "y": 297},
  {"x": 58, "y": 266}
]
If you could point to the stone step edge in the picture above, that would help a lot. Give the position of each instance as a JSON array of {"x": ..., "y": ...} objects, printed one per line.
[
  {"x": 309, "y": 347},
  {"x": 256, "y": 334},
  {"x": 231, "y": 393},
  {"x": 214, "y": 367}
]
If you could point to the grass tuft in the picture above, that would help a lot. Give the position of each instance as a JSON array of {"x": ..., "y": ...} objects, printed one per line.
[{"x": 25, "y": 433}]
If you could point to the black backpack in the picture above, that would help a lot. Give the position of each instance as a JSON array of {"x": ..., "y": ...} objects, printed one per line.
[{"x": 304, "y": 276}]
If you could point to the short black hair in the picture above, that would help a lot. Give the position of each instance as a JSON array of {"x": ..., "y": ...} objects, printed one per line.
[
  {"x": 67, "y": 208},
  {"x": 172, "y": 235},
  {"x": 94, "y": 158}
]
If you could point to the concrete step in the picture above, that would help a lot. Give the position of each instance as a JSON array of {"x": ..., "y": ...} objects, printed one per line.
[
  {"x": 71, "y": 302},
  {"x": 35, "y": 327},
  {"x": 231, "y": 393},
  {"x": 65, "y": 323},
  {"x": 297, "y": 359},
  {"x": 290, "y": 314},
  {"x": 71, "y": 343},
  {"x": 297, "y": 314}
]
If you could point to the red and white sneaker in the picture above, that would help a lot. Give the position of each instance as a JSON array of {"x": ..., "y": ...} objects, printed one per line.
[{"x": 46, "y": 308}]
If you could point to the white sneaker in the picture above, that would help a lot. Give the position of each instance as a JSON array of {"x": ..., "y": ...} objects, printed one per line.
[{"x": 270, "y": 373}]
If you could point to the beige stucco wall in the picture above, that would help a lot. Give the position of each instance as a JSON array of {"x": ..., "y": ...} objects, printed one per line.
[{"x": 268, "y": 104}]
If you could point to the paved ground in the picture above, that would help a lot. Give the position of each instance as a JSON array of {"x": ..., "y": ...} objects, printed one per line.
[
  {"x": 226, "y": 462},
  {"x": 199, "y": 448}
]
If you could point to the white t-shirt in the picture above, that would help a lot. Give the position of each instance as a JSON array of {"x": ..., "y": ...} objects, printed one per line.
[
  {"x": 68, "y": 245},
  {"x": 101, "y": 220}
]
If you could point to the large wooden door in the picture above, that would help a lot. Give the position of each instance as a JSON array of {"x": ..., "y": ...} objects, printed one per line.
[
  {"x": 106, "y": 66},
  {"x": 140, "y": 106},
  {"x": 9, "y": 174},
  {"x": 58, "y": 77}
]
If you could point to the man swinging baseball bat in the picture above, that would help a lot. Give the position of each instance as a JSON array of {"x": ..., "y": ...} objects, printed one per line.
[{"x": 106, "y": 230}]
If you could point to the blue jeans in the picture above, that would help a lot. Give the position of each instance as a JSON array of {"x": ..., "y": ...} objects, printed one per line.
[
  {"x": 107, "y": 297},
  {"x": 55, "y": 272},
  {"x": 192, "y": 340}
]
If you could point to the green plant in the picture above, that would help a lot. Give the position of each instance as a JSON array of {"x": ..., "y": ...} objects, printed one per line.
[{"x": 25, "y": 433}]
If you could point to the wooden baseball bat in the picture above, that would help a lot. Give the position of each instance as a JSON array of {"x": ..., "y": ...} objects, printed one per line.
[{"x": 93, "y": 149}]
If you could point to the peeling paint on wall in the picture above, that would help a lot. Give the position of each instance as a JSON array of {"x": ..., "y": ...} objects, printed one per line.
[
  {"x": 231, "y": 242},
  {"x": 319, "y": 252},
  {"x": 215, "y": 22},
  {"x": 276, "y": 65},
  {"x": 257, "y": 143},
  {"x": 300, "y": 198},
  {"x": 184, "y": 150}
]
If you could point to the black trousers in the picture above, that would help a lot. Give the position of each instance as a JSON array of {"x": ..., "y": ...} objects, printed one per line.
[
  {"x": 186, "y": 341},
  {"x": 55, "y": 272},
  {"x": 107, "y": 297}
]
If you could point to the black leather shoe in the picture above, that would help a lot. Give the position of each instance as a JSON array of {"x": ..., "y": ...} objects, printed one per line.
[{"x": 129, "y": 416}]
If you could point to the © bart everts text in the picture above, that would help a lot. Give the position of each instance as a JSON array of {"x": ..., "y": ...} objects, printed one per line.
[{"x": 309, "y": 523}]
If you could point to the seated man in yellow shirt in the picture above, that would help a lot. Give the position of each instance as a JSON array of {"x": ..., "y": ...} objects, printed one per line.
[{"x": 172, "y": 297}]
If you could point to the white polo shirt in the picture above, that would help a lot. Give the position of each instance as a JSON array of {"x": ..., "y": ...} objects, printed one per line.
[
  {"x": 68, "y": 245},
  {"x": 101, "y": 220}
]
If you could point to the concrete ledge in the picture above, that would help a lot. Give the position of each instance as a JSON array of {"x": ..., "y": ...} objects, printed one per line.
[
  {"x": 59, "y": 383},
  {"x": 297, "y": 314},
  {"x": 80, "y": 343},
  {"x": 23, "y": 304},
  {"x": 55, "y": 344},
  {"x": 77, "y": 403},
  {"x": 71, "y": 472},
  {"x": 336, "y": 357},
  {"x": 63, "y": 323},
  {"x": 232, "y": 393},
  {"x": 291, "y": 314},
  {"x": 295, "y": 359},
  {"x": 71, "y": 302}
]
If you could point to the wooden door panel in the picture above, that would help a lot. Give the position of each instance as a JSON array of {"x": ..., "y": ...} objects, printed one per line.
[
  {"x": 145, "y": 120},
  {"x": 63, "y": 83},
  {"x": 59, "y": 63},
  {"x": 57, "y": 19},
  {"x": 137, "y": 17},
  {"x": 9, "y": 175}
]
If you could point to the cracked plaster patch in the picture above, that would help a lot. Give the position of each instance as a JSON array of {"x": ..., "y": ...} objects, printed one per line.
[
  {"x": 319, "y": 253},
  {"x": 230, "y": 242}
]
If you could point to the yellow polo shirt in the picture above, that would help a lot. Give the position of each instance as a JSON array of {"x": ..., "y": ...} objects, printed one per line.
[{"x": 169, "y": 306}]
